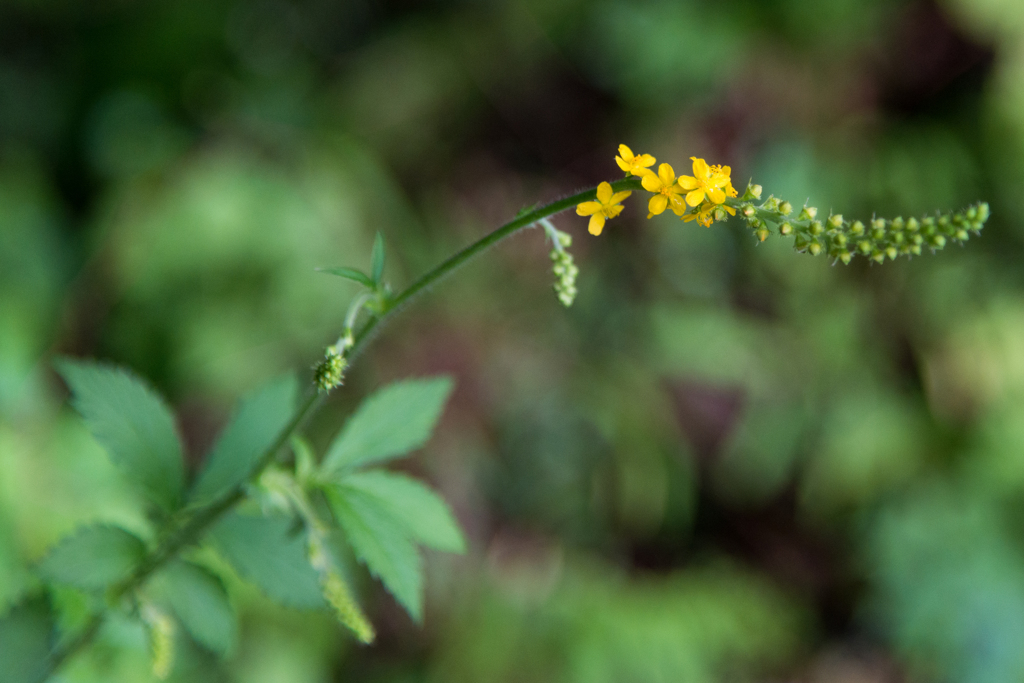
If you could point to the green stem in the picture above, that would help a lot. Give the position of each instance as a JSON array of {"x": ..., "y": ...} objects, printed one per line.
[
  {"x": 462, "y": 257},
  {"x": 203, "y": 517}
]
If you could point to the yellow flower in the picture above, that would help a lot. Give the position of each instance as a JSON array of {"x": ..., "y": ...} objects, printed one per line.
[
  {"x": 706, "y": 181},
  {"x": 666, "y": 191},
  {"x": 729, "y": 189},
  {"x": 608, "y": 205},
  {"x": 707, "y": 213},
  {"x": 634, "y": 165}
]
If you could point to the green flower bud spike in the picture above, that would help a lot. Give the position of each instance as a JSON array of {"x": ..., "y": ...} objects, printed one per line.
[
  {"x": 160, "y": 628},
  {"x": 878, "y": 239},
  {"x": 564, "y": 268}
]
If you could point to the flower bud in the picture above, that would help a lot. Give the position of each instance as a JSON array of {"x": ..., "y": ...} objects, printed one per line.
[
  {"x": 878, "y": 256},
  {"x": 748, "y": 210},
  {"x": 845, "y": 257},
  {"x": 938, "y": 241},
  {"x": 815, "y": 228},
  {"x": 808, "y": 213},
  {"x": 962, "y": 235},
  {"x": 786, "y": 228},
  {"x": 762, "y": 234},
  {"x": 983, "y": 212},
  {"x": 857, "y": 229},
  {"x": 835, "y": 221},
  {"x": 785, "y": 208},
  {"x": 864, "y": 246},
  {"x": 912, "y": 224},
  {"x": 753, "y": 192},
  {"x": 897, "y": 223},
  {"x": 839, "y": 240},
  {"x": 814, "y": 248},
  {"x": 891, "y": 253}
]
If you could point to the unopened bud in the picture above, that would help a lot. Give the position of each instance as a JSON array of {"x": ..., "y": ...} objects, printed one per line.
[
  {"x": 878, "y": 256},
  {"x": 845, "y": 257},
  {"x": 753, "y": 192},
  {"x": 785, "y": 208},
  {"x": 891, "y": 252},
  {"x": 897, "y": 223},
  {"x": 816, "y": 228},
  {"x": 835, "y": 220},
  {"x": 814, "y": 248},
  {"x": 938, "y": 241},
  {"x": 839, "y": 240},
  {"x": 762, "y": 234},
  {"x": 912, "y": 224},
  {"x": 748, "y": 210},
  {"x": 857, "y": 229},
  {"x": 808, "y": 213},
  {"x": 864, "y": 246},
  {"x": 786, "y": 228}
]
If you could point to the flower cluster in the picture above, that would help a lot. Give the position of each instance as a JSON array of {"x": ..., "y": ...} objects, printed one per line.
[
  {"x": 700, "y": 197},
  {"x": 708, "y": 196}
]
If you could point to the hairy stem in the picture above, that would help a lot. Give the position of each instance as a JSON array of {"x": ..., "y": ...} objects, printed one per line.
[{"x": 195, "y": 525}]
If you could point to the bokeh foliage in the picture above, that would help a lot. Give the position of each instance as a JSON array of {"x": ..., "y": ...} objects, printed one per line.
[{"x": 722, "y": 463}]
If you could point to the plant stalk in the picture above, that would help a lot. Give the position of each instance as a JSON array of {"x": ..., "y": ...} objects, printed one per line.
[{"x": 194, "y": 526}]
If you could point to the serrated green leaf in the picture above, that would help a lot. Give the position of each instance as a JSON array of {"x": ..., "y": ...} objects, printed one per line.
[
  {"x": 257, "y": 422},
  {"x": 350, "y": 274},
  {"x": 93, "y": 557},
  {"x": 380, "y": 542},
  {"x": 393, "y": 421},
  {"x": 377, "y": 259},
  {"x": 265, "y": 551},
  {"x": 200, "y": 602},
  {"x": 424, "y": 514},
  {"x": 27, "y": 634},
  {"x": 134, "y": 425}
]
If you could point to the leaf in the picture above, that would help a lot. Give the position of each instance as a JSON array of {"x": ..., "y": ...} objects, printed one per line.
[
  {"x": 377, "y": 259},
  {"x": 393, "y": 421},
  {"x": 199, "y": 600},
  {"x": 256, "y": 424},
  {"x": 380, "y": 542},
  {"x": 350, "y": 274},
  {"x": 264, "y": 551},
  {"x": 93, "y": 557},
  {"x": 27, "y": 634},
  {"x": 132, "y": 423},
  {"x": 425, "y": 516}
]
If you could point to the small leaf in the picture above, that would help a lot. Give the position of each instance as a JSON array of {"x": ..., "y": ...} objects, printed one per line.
[
  {"x": 199, "y": 600},
  {"x": 424, "y": 514},
  {"x": 27, "y": 634},
  {"x": 377, "y": 259},
  {"x": 349, "y": 274},
  {"x": 132, "y": 423},
  {"x": 395, "y": 420},
  {"x": 256, "y": 424},
  {"x": 93, "y": 557},
  {"x": 265, "y": 551},
  {"x": 380, "y": 542}
]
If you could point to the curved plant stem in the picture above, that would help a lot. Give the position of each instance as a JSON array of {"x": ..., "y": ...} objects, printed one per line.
[{"x": 192, "y": 528}]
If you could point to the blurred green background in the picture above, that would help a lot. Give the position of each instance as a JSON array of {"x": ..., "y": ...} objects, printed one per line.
[{"x": 723, "y": 463}]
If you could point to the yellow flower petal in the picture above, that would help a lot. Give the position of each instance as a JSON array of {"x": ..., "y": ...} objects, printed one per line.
[
  {"x": 694, "y": 198},
  {"x": 667, "y": 175},
  {"x": 614, "y": 211},
  {"x": 651, "y": 182},
  {"x": 620, "y": 197},
  {"x": 645, "y": 160},
  {"x": 624, "y": 165},
  {"x": 587, "y": 208},
  {"x": 596, "y": 224},
  {"x": 717, "y": 195},
  {"x": 604, "y": 193},
  {"x": 677, "y": 205},
  {"x": 700, "y": 168},
  {"x": 626, "y": 153},
  {"x": 688, "y": 183},
  {"x": 657, "y": 204}
]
